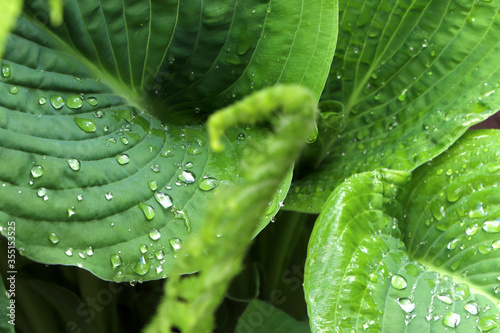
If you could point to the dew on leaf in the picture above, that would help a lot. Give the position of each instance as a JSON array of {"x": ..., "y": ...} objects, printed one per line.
[
  {"x": 461, "y": 292},
  {"x": 92, "y": 101},
  {"x": 153, "y": 185},
  {"x": 176, "y": 243},
  {"x": 14, "y": 90},
  {"x": 487, "y": 323},
  {"x": 472, "y": 308},
  {"x": 116, "y": 260},
  {"x": 42, "y": 100},
  {"x": 472, "y": 230},
  {"x": 37, "y": 171},
  {"x": 492, "y": 226},
  {"x": 74, "y": 102},
  {"x": 124, "y": 140},
  {"x": 187, "y": 177},
  {"x": 154, "y": 234},
  {"x": 194, "y": 151},
  {"x": 411, "y": 269},
  {"x": 90, "y": 251},
  {"x": 240, "y": 137},
  {"x": 87, "y": 125},
  {"x": 142, "y": 266},
  {"x": 451, "y": 319},
  {"x": 208, "y": 183},
  {"x": 453, "y": 193},
  {"x": 123, "y": 159},
  {"x": 181, "y": 215},
  {"x": 159, "y": 254},
  {"x": 69, "y": 252},
  {"x": 167, "y": 153},
  {"x": 108, "y": 195},
  {"x": 57, "y": 101},
  {"x": 41, "y": 192},
  {"x": 445, "y": 298},
  {"x": 156, "y": 168},
  {"x": 496, "y": 244},
  {"x": 73, "y": 163},
  {"x": 406, "y": 304},
  {"x": 143, "y": 248},
  {"x": 54, "y": 238},
  {"x": 6, "y": 70},
  {"x": 149, "y": 212},
  {"x": 163, "y": 199},
  {"x": 71, "y": 211},
  {"x": 398, "y": 282}
]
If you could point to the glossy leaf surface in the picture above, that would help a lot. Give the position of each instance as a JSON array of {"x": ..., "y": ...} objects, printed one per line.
[{"x": 412, "y": 77}]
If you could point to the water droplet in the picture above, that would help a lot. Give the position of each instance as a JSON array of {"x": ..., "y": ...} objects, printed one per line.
[
  {"x": 14, "y": 90},
  {"x": 42, "y": 100},
  {"x": 453, "y": 193},
  {"x": 187, "y": 177},
  {"x": 156, "y": 168},
  {"x": 254, "y": 11},
  {"x": 6, "y": 70},
  {"x": 411, "y": 269},
  {"x": 79, "y": 197},
  {"x": 452, "y": 244},
  {"x": 54, "y": 238},
  {"x": 37, "y": 171},
  {"x": 153, "y": 185},
  {"x": 492, "y": 226},
  {"x": 74, "y": 164},
  {"x": 116, "y": 260},
  {"x": 181, "y": 215},
  {"x": 41, "y": 192},
  {"x": 446, "y": 298},
  {"x": 194, "y": 151},
  {"x": 176, "y": 243},
  {"x": 86, "y": 125},
  {"x": 142, "y": 266},
  {"x": 167, "y": 153},
  {"x": 69, "y": 252},
  {"x": 71, "y": 211},
  {"x": 240, "y": 137},
  {"x": 462, "y": 292},
  {"x": 398, "y": 282},
  {"x": 154, "y": 234},
  {"x": 471, "y": 308},
  {"x": 149, "y": 212},
  {"x": 123, "y": 159},
  {"x": 472, "y": 230},
  {"x": 208, "y": 183},
  {"x": 89, "y": 251},
  {"x": 143, "y": 248},
  {"x": 406, "y": 304},
  {"x": 57, "y": 101},
  {"x": 124, "y": 140},
  {"x": 163, "y": 199},
  {"x": 159, "y": 254},
  {"x": 92, "y": 101},
  {"x": 487, "y": 323},
  {"x": 496, "y": 244},
  {"x": 451, "y": 319},
  {"x": 108, "y": 195},
  {"x": 74, "y": 102}
]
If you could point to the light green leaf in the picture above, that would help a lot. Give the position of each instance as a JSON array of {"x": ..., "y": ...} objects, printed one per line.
[
  {"x": 263, "y": 317},
  {"x": 6, "y": 313},
  {"x": 10, "y": 11},
  {"x": 92, "y": 179},
  {"x": 412, "y": 76},
  {"x": 367, "y": 278}
]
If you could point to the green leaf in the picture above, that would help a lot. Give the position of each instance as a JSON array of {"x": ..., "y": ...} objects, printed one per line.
[
  {"x": 263, "y": 317},
  {"x": 92, "y": 179},
  {"x": 443, "y": 276},
  {"x": 11, "y": 10},
  {"x": 412, "y": 76},
  {"x": 6, "y": 305}
]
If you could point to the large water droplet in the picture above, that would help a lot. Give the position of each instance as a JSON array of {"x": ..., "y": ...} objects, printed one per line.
[
  {"x": 74, "y": 164},
  {"x": 74, "y": 102},
  {"x": 451, "y": 319},
  {"x": 186, "y": 177},
  {"x": 6, "y": 70},
  {"x": 154, "y": 234},
  {"x": 57, "y": 101},
  {"x": 37, "y": 171},
  {"x": 453, "y": 193},
  {"x": 14, "y": 90},
  {"x": 472, "y": 308},
  {"x": 398, "y": 282},
  {"x": 153, "y": 185},
  {"x": 142, "y": 266},
  {"x": 163, "y": 199},
  {"x": 472, "y": 230},
  {"x": 116, "y": 260},
  {"x": 487, "y": 323},
  {"x": 452, "y": 244},
  {"x": 208, "y": 183},
  {"x": 492, "y": 226},
  {"x": 406, "y": 304},
  {"x": 123, "y": 159},
  {"x": 86, "y": 125},
  {"x": 54, "y": 238},
  {"x": 176, "y": 243},
  {"x": 149, "y": 212}
]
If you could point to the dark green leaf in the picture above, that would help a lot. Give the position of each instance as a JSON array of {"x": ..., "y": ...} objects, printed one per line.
[
  {"x": 413, "y": 76},
  {"x": 262, "y": 317}
]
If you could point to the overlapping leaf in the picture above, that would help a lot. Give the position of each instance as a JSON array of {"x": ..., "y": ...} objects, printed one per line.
[
  {"x": 412, "y": 76},
  {"x": 91, "y": 179},
  {"x": 367, "y": 278}
]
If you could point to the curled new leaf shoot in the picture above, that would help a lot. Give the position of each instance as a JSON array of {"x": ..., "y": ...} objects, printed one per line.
[{"x": 217, "y": 251}]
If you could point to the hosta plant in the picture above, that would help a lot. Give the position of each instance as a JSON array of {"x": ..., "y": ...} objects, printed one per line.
[{"x": 149, "y": 144}]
